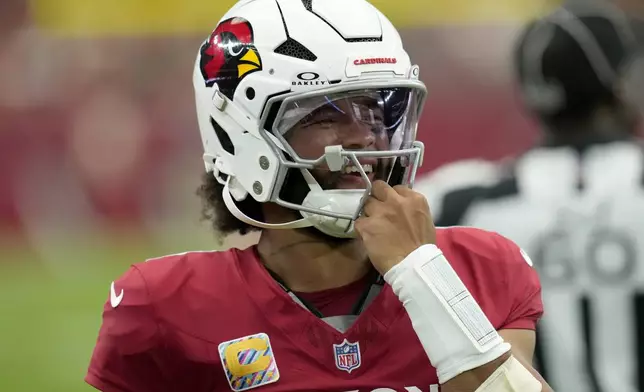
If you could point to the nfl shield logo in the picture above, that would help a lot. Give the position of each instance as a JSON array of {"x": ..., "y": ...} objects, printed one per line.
[{"x": 347, "y": 356}]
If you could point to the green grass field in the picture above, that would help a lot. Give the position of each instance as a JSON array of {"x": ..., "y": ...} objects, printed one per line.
[{"x": 50, "y": 311}]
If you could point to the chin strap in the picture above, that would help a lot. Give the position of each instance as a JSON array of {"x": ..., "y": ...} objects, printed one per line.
[{"x": 232, "y": 207}]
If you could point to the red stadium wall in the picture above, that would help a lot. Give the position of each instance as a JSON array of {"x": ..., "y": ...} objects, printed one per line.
[{"x": 106, "y": 127}]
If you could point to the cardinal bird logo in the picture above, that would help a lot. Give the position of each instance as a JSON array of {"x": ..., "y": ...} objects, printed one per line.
[{"x": 229, "y": 55}]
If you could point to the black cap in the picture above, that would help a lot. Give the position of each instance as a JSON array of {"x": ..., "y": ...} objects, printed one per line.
[{"x": 570, "y": 62}]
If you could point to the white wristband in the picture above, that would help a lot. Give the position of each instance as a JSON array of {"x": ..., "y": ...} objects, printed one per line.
[
  {"x": 454, "y": 331},
  {"x": 511, "y": 376}
]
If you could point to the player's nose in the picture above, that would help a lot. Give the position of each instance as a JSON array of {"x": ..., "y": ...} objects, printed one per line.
[{"x": 357, "y": 135}]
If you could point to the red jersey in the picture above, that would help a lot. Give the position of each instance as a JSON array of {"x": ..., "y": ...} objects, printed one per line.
[{"x": 217, "y": 321}]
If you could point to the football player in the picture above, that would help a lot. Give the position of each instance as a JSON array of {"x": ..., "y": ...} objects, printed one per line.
[
  {"x": 575, "y": 202},
  {"x": 308, "y": 113}
]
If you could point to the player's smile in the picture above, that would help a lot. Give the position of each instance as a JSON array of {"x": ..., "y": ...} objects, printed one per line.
[{"x": 351, "y": 178}]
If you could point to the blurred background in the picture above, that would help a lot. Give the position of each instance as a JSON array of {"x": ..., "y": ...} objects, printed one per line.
[{"x": 100, "y": 154}]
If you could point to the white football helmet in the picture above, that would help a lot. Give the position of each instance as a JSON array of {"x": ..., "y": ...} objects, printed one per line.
[{"x": 272, "y": 66}]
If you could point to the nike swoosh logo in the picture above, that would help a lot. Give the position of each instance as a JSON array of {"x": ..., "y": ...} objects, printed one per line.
[
  {"x": 526, "y": 258},
  {"x": 115, "y": 300}
]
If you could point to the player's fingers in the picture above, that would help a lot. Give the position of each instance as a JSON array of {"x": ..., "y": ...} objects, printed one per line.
[
  {"x": 371, "y": 207},
  {"x": 403, "y": 190},
  {"x": 360, "y": 224},
  {"x": 382, "y": 191}
]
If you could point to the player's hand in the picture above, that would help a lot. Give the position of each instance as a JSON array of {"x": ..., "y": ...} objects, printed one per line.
[{"x": 394, "y": 222}]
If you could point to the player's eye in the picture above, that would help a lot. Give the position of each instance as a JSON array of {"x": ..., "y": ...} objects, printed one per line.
[{"x": 325, "y": 118}]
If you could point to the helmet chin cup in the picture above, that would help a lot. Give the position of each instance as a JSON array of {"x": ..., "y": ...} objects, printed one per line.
[{"x": 342, "y": 201}]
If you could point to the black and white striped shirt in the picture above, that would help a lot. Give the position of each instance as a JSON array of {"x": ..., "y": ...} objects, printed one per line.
[{"x": 579, "y": 213}]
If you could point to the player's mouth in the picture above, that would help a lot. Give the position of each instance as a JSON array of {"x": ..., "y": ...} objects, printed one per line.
[{"x": 352, "y": 179}]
